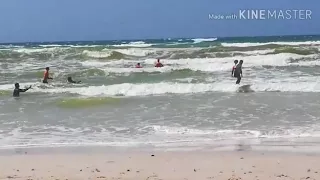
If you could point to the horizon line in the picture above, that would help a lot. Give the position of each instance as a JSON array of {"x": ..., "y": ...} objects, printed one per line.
[{"x": 134, "y": 39}]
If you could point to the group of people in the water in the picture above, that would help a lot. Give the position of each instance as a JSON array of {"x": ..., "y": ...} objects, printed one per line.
[
  {"x": 158, "y": 64},
  {"x": 46, "y": 76},
  {"x": 237, "y": 70}
]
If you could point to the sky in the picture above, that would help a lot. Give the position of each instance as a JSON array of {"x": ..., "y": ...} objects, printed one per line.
[{"x": 76, "y": 20}]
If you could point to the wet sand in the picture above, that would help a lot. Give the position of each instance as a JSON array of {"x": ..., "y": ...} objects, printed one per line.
[{"x": 161, "y": 165}]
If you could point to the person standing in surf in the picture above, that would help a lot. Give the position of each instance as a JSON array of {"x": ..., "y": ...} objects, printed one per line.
[
  {"x": 17, "y": 90},
  {"x": 238, "y": 72},
  {"x": 234, "y": 67},
  {"x": 46, "y": 75}
]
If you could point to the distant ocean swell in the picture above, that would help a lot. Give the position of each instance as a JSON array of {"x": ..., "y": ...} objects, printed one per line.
[
  {"x": 134, "y": 53},
  {"x": 166, "y": 49}
]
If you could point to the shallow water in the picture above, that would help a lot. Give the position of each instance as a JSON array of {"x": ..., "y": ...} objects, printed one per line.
[{"x": 193, "y": 121}]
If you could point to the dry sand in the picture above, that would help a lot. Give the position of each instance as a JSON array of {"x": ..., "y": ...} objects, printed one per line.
[{"x": 161, "y": 165}]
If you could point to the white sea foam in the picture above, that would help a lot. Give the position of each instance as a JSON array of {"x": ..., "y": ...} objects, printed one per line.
[
  {"x": 158, "y": 135},
  {"x": 135, "y": 52},
  {"x": 256, "y": 52},
  {"x": 74, "y": 46},
  {"x": 199, "y": 40},
  {"x": 37, "y": 50},
  {"x": 278, "y": 43},
  {"x": 98, "y": 54},
  {"x": 128, "y": 89},
  {"x": 134, "y": 44},
  {"x": 144, "y": 89},
  {"x": 51, "y": 45},
  {"x": 203, "y": 64},
  {"x": 108, "y": 52},
  {"x": 311, "y": 131}
]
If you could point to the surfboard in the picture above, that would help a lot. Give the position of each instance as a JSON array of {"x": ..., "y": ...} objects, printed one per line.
[{"x": 245, "y": 88}]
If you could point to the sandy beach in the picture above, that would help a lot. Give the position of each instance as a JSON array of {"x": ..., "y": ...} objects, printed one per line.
[{"x": 161, "y": 165}]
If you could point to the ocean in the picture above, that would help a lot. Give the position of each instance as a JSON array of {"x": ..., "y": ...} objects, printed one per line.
[{"x": 190, "y": 103}]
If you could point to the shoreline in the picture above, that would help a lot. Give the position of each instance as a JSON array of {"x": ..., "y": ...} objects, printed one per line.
[
  {"x": 279, "y": 147},
  {"x": 133, "y": 165}
]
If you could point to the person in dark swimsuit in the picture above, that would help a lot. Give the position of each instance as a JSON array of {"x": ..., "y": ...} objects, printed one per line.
[
  {"x": 17, "y": 90},
  {"x": 238, "y": 72},
  {"x": 72, "y": 81}
]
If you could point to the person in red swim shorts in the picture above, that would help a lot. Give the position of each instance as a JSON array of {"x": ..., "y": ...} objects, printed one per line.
[
  {"x": 46, "y": 75},
  {"x": 138, "y": 65},
  {"x": 158, "y": 64}
]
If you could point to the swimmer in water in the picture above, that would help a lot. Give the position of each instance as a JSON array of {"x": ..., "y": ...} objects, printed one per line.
[
  {"x": 138, "y": 65},
  {"x": 158, "y": 64},
  {"x": 46, "y": 75},
  {"x": 72, "y": 81},
  {"x": 238, "y": 72},
  {"x": 17, "y": 90},
  {"x": 234, "y": 67}
]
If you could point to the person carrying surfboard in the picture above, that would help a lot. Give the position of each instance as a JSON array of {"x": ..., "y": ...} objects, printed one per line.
[
  {"x": 238, "y": 72},
  {"x": 234, "y": 67}
]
